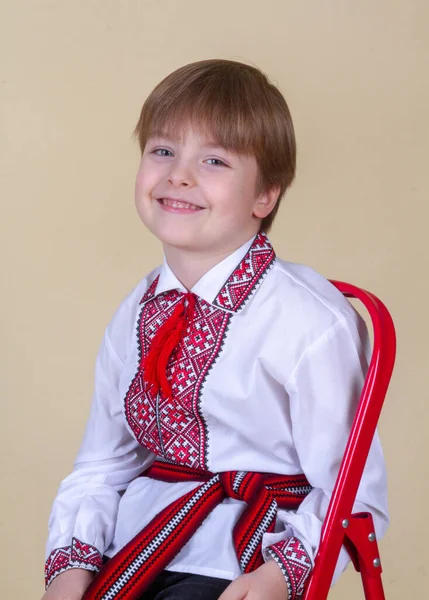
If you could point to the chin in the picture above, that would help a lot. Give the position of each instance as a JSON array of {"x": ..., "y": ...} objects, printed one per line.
[{"x": 178, "y": 239}]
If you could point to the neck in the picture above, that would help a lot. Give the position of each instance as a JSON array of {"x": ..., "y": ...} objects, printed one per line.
[{"x": 190, "y": 266}]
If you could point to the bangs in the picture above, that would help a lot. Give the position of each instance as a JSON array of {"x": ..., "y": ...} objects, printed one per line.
[
  {"x": 220, "y": 128},
  {"x": 221, "y": 108}
]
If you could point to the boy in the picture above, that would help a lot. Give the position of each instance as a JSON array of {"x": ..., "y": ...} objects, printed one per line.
[{"x": 223, "y": 366}]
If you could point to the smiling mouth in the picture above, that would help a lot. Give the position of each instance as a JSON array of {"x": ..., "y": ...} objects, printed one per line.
[{"x": 179, "y": 204}]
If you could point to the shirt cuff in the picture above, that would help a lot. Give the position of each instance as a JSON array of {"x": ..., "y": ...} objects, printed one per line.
[
  {"x": 76, "y": 556},
  {"x": 294, "y": 562}
]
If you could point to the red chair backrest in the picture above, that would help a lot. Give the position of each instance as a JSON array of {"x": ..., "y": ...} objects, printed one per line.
[{"x": 358, "y": 445}]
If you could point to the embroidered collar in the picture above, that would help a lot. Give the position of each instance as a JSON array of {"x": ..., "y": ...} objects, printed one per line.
[{"x": 255, "y": 258}]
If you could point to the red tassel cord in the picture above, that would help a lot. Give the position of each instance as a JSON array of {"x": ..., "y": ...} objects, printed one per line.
[{"x": 164, "y": 343}]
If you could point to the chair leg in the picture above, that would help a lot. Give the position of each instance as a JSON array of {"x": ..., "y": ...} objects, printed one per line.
[
  {"x": 372, "y": 586},
  {"x": 361, "y": 543}
]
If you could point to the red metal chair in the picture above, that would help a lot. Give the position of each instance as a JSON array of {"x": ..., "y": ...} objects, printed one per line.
[{"x": 341, "y": 527}]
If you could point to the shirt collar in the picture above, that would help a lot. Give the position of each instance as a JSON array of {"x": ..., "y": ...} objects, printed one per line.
[{"x": 230, "y": 283}]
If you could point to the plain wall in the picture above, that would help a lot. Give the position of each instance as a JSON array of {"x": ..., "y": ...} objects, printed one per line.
[{"x": 73, "y": 77}]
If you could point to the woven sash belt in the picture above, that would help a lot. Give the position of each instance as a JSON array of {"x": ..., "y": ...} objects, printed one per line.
[{"x": 128, "y": 574}]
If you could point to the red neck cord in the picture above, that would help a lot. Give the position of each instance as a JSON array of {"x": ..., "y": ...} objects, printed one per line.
[{"x": 165, "y": 342}]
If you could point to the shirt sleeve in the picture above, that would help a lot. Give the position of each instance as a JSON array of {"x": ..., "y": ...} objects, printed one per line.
[
  {"x": 83, "y": 516},
  {"x": 324, "y": 392}
]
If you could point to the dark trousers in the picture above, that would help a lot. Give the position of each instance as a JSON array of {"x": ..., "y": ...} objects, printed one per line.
[{"x": 185, "y": 586}]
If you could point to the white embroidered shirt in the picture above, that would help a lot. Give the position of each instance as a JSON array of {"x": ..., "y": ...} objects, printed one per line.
[{"x": 266, "y": 379}]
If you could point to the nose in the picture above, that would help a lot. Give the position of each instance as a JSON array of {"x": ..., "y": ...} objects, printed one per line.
[{"x": 181, "y": 175}]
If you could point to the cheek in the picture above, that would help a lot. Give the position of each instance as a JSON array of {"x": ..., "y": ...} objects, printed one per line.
[
  {"x": 226, "y": 192},
  {"x": 141, "y": 192},
  {"x": 147, "y": 174},
  {"x": 139, "y": 179},
  {"x": 242, "y": 197},
  {"x": 144, "y": 184}
]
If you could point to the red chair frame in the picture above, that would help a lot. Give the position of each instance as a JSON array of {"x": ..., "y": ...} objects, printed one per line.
[{"x": 341, "y": 527}]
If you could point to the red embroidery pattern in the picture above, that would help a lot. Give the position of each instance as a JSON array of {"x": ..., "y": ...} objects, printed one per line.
[
  {"x": 78, "y": 555},
  {"x": 174, "y": 427},
  {"x": 295, "y": 563},
  {"x": 244, "y": 280},
  {"x": 150, "y": 292}
]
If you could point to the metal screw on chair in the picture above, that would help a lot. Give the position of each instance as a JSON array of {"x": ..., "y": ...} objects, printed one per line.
[
  {"x": 371, "y": 537},
  {"x": 376, "y": 562},
  {"x": 345, "y": 523}
]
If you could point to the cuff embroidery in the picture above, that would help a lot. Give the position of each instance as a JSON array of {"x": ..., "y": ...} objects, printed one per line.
[
  {"x": 294, "y": 562},
  {"x": 77, "y": 556}
]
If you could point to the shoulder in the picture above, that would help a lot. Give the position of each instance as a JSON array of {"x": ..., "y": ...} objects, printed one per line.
[
  {"x": 121, "y": 329},
  {"x": 305, "y": 285},
  {"x": 308, "y": 300}
]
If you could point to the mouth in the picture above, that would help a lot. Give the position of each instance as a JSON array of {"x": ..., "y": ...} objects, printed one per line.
[{"x": 178, "y": 205}]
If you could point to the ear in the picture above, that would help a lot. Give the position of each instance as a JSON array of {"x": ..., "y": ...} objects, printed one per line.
[{"x": 265, "y": 203}]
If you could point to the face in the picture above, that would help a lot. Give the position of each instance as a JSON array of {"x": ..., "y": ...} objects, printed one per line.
[{"x": 196, "y": 196}]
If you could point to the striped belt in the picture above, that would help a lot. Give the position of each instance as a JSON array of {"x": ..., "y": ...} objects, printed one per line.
[{"x": 128, "y": 574}]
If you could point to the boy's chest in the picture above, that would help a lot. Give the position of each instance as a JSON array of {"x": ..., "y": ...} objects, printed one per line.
[{"x": 218, "y": 376}]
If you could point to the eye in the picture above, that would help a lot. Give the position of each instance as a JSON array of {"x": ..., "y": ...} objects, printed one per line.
[
  {"x": 216, "y": 162},
  {"x": 162, "y": 152}
]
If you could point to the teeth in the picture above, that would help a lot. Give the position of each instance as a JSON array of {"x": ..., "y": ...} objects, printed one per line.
[{"x": 177, "y": 204}]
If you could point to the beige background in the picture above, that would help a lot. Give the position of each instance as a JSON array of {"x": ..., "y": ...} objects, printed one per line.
[{"x": 73, "y": 77}]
